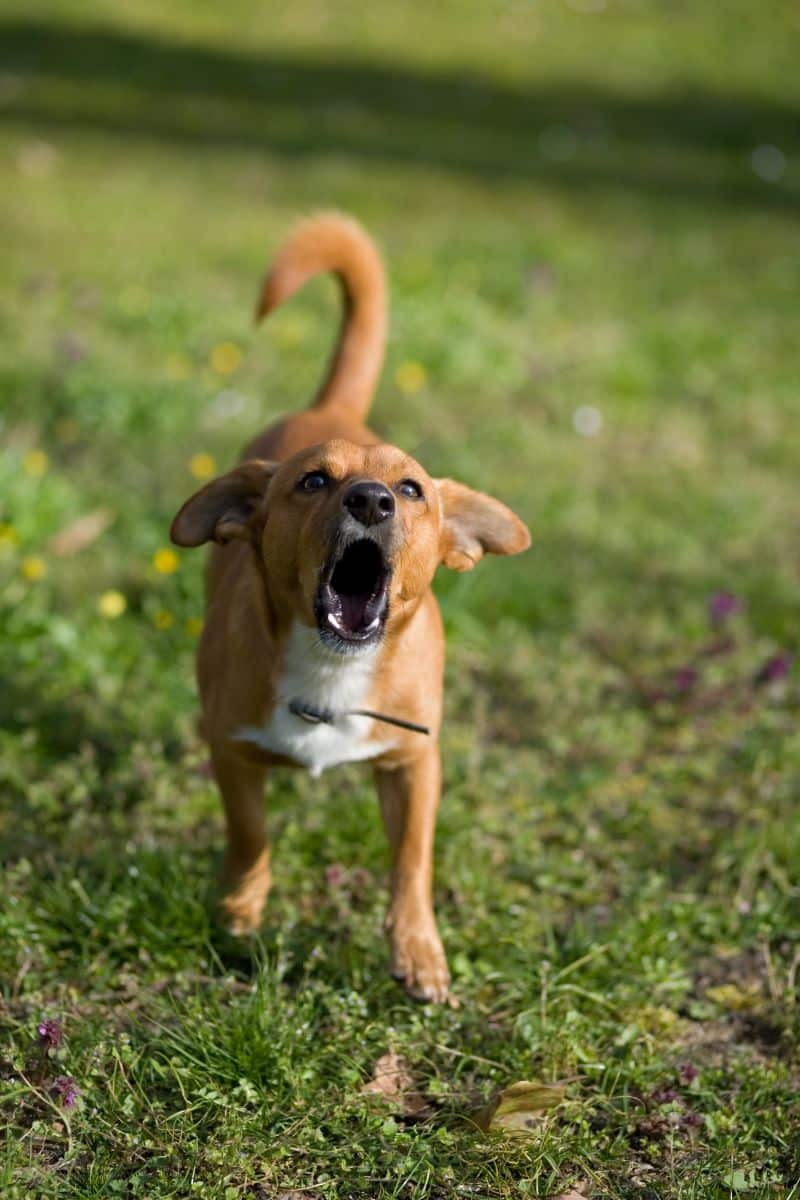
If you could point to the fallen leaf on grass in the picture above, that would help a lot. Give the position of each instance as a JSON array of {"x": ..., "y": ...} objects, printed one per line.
[
  {"x": 576, "y": 1193},
  {"x": 519, "y": 1108},
  {"x": 741, "y": 1181},
  {"x": 81, "y": 533},
  {"x": 392, "y": 1082}
]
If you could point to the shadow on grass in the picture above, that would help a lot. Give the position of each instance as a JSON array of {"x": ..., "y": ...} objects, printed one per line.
[
  {"x": 693, "y": 144},
  {"x": 67, "y": 721}
]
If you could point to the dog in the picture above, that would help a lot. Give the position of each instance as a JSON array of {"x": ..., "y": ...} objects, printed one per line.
[{"x": 323, "y": 642}]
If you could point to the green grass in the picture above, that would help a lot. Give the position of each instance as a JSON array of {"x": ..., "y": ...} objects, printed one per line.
[{"x": 570, "y": 215}]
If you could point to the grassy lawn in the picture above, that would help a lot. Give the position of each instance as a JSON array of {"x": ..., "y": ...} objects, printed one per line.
[{"x": 590, "y": 218}]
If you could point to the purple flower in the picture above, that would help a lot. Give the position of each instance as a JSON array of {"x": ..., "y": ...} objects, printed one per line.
[
  {"x": 777, "y": 667},
  {"x": 687, "y": 1072},
  {"x": 67, "y": 1090},
  {"x": 721, "y": 606},
  {"x": 685, "y": 679},
  {"x": 334, "y": 875},
  {"x": 49, "y": 1034}
]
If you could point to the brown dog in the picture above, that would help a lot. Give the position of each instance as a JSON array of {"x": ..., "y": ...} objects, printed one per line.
[{"x": 320, "y": 606}]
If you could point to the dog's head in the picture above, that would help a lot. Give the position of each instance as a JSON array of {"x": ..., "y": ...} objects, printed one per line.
[{"x": 350, "y": 536}]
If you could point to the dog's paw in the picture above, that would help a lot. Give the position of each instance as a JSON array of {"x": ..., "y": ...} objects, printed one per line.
[
  {"x": 242, "y": 906},
  {"x": 239, "y": 921},
  {"x": 419, "y": 963}
]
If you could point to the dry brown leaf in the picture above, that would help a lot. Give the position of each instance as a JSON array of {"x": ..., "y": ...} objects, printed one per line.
[
  {"x": 81, "y": 533},
  {"x": 390, "y": 1076},
  {"x": 519, "y": 1108},
  {"x": 577, "y": 1193},
  {"x": 392, "y": 1082}
]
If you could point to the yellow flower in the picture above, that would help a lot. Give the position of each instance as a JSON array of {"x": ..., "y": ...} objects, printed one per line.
[
  {"x": 111, "y": 604},
  {"x": 202, "y": 466},
  {"x": 35, "y": 462},
  {"x": 410, "y": 377},
  {"x": 33, "y": 568},
  {"x": 178, "y": 367},
  {"x": 162, "y": 619},
  {"x": 166, "y": 561},
  {"x": 225, "y": 358},
  {"x": 8, "y": 534},
  {"x": 194, "y": 626}
]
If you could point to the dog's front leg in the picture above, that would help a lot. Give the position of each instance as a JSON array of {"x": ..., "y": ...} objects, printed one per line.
[
  {"x": 246, "y": 872},
  {"x": 409, "y": 798}
]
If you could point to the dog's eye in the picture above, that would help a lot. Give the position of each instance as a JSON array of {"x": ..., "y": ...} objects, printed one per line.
[
  {"x": 410, "y": 489},
  {"x": 314, "y": 481}
]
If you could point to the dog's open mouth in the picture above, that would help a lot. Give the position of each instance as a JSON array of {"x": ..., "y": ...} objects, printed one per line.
[{"x": 353, "y": 597}]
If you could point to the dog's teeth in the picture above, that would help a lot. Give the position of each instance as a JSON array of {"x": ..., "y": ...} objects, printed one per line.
[{"x": 333, "y": 620}]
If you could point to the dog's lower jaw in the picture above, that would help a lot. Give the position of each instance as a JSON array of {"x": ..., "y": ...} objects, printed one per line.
[{"x": 336, "y": 644}]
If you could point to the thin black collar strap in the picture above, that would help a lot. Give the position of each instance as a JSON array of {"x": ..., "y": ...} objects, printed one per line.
[{"x": 324, "y": 716}]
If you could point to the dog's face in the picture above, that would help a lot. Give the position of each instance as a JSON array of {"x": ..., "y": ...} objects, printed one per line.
[{"x": 350, "y": 536}]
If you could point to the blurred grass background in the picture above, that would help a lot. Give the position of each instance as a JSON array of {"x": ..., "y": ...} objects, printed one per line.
[{"x": 589, "y": 215}]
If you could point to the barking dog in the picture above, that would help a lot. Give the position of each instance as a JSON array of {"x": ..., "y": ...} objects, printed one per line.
[{"x": 323, "y": 642}]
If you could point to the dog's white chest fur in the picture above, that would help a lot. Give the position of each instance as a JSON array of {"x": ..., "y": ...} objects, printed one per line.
[{"x": 325, "y": 681}]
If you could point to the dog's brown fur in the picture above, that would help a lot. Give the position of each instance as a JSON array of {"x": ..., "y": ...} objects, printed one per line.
[{"x": 273, "y": 541}]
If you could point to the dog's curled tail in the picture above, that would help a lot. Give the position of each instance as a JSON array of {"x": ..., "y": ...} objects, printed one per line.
[{"x": 334, "y": 242}]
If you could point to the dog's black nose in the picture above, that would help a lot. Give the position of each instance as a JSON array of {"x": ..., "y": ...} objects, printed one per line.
[{"x": 369, "y": 502}]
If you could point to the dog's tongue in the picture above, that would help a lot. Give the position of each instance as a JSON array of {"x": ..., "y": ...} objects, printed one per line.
[{"x": 354, "y": 611}]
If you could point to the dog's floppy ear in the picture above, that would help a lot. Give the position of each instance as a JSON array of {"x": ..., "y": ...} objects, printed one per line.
[
  {"x": 475, "y": 524},
  {"x": 226, "y": 508}
]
